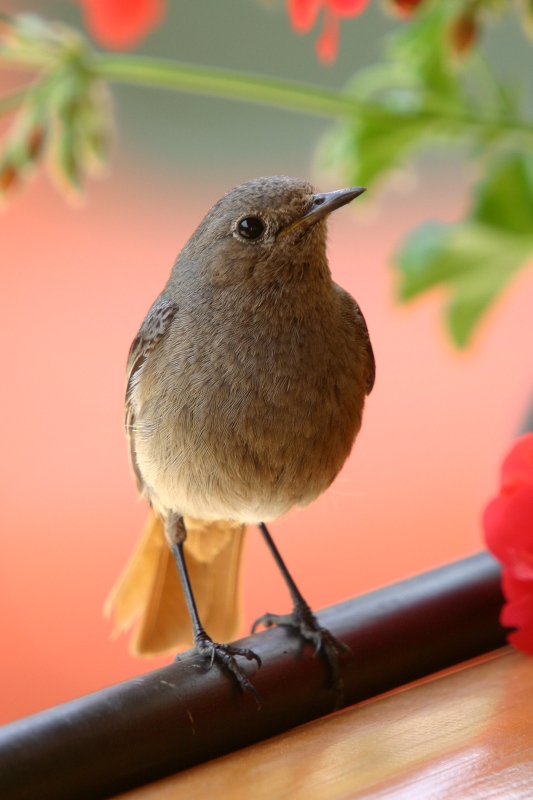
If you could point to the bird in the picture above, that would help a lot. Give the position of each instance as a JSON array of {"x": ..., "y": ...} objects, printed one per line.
[{"x": 245, "y": 390}]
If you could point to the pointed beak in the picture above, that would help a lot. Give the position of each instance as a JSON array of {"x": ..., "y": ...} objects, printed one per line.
[{"x": 326, "y": 202}]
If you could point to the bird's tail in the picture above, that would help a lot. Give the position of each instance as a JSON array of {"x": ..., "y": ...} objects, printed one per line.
[{"x": 148, "y": 595}]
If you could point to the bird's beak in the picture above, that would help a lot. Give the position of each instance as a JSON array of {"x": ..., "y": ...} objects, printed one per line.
[{"x": 324, "y": 203}]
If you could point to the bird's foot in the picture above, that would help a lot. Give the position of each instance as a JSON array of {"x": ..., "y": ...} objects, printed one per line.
[
  {"x": 225, "y": 654},
  {"x": 307, "y": 625}
]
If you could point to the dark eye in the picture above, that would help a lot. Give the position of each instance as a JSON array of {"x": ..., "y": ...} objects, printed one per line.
[{"x": 250, "y": 228}]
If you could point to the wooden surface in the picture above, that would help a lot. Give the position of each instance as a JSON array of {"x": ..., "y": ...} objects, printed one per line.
[{"x": 465, "y": 734}]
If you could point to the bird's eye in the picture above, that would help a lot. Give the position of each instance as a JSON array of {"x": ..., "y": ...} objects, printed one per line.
[{"x": 250, "y": 228}]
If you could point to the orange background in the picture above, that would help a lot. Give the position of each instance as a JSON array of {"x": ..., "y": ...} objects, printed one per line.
[{"x": 75, "y": 286}]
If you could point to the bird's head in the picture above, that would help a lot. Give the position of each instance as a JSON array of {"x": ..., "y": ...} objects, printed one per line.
[{"x": 268, "y": 229}]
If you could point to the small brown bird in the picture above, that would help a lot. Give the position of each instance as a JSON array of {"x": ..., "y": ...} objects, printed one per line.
[{"x": 245, "y": 392}]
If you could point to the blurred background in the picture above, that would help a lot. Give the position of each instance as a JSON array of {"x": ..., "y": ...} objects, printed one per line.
[{"x": 77, "y": 280}]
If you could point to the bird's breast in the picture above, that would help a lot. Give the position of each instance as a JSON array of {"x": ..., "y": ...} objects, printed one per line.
[{"x": 249, "y": 421}]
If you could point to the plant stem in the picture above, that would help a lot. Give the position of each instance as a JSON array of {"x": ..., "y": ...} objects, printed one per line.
[
  {"x": 230, "y": 84},
  {"x": 291, "y": 95}
]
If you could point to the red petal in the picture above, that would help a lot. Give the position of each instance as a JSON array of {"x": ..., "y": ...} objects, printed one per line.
[
  {"x": 516, "y": 589},
  {"x": 328, "y": 42},
  {"x": 518, "y": 611},
  {"x": 347, "y": 8},
  {"x": 122, "y": 23},
  {"x": 518, "y": 466},
  {"x": 303, "y": 14},
  {"x": 508, "y": 524},
  {"x": 522, "y": 639},
  {"x": 519, "y": 617}
]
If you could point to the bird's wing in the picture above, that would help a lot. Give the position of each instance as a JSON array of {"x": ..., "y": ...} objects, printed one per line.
[
  {"x": 355, "y": 316},
  {"x": 371, "y": 361},
  {"x": 153, "y": 329}
]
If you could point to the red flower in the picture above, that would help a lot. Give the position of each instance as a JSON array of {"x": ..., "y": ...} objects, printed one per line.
[
  {"x": 508, "y": 523},
  {"x": 122, "y": 23},
  {"x": 303, "y": 15}
]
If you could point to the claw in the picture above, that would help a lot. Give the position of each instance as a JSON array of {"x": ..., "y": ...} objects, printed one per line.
[
  {"x": 268, "y": 620},
  {"x": 224, "y": 655},
  {"x": 305, "y": 622}
]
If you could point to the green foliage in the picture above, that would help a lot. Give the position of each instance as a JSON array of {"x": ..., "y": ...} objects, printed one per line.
[
  {"x": 426, "y": 94},
  {"x": 422, "y": 94},
  {"x": 63, "y": 116},
  {"x": 475, "y": 259}
]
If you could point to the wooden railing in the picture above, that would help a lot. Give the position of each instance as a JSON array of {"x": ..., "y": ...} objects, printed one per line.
[{"x": 183, "y": 714}]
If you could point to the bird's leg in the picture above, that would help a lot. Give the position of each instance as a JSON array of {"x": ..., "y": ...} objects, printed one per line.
[
  {"x": 205, "y": 646},
  {"x": 303, "y": 619}
]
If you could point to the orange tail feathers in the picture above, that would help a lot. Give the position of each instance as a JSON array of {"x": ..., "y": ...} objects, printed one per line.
[{"x": 148, "y": 595}]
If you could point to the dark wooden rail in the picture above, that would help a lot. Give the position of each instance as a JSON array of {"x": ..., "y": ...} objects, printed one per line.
[{"x": 181, "y": 715}]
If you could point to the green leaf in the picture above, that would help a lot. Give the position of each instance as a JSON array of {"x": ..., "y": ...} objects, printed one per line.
[
  {"x": 474, "y": 259},
  {"x": 368, "y": 148},
  {"x": 422, "y": 260},
  {"x": 506, "y": 198},
  {"x": 415, "y": 97},
  {"x": 423, "y": 45}
]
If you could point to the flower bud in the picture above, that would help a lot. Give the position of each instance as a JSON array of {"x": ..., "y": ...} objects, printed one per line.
[
  {"x": 403, "y": 8},
  {"x": 463, "y": 33},
  {"x": 8, "y": 177},
  {"x": 34, "y": 142}
]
